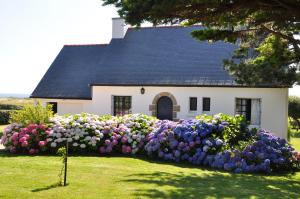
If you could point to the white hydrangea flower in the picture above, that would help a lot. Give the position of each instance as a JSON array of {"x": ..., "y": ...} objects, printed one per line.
[
  {"x": 70, "y": 139},
  {"x": 134, "y": 150},
  {"x": 53, "y": 144},
  {"x": 87, "y": 138},
  {"x": 205, "y": 148},
  {"x": 75, "y": 144},
  {"x": 82, "y": 146}
]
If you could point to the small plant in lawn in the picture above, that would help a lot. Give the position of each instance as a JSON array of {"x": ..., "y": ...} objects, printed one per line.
[{"x": 62, "y": 175}]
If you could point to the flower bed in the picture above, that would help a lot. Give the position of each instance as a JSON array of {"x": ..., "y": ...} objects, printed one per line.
[{"x": 219, "y": 141}]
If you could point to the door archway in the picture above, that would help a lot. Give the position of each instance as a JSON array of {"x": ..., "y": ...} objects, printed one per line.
[
  {"x": 164, "y": 108},
  {"x": 175, "y": 107}
]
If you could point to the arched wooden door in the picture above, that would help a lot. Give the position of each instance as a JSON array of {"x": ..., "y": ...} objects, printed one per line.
[{"x": 165, "y": 108}]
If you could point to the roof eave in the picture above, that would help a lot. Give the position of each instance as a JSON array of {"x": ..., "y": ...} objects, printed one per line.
[
  {"x": 191, "y": 85},
  {"x": 65, "y": 98}
]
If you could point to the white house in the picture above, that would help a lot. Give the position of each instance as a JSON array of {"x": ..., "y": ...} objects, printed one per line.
[{"x": 160, "y": 71}]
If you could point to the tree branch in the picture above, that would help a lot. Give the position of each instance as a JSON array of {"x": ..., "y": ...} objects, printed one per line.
[{"x": 289, "y": 38}]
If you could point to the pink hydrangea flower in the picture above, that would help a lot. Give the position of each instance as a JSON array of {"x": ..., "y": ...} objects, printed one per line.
[
  {"x": 128, "y": 150},
  {"x": 13, "y": 150},
  {"x": 23, "y": 139},
  {"x": 33, "y": 151},
  {"x": 34, "y": 132},
  {"x": 42, "y": 143},
  {"x": 124, "y": 140},
  {"x": 24, "y": 144},
  {"x": 114, "y": 142},
  {"x": 102, "y": 149}
]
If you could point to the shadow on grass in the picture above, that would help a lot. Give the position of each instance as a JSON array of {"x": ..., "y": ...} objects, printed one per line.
[
  {"x": 47, "y": 187},
  {"x": 214, "y": 184},
  {"x": 296, "y": 135}
]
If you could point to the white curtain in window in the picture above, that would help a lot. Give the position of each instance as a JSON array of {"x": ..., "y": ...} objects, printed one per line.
[{"x": 255, "y": 111}]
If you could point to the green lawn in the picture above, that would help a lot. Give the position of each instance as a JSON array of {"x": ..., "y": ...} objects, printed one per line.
[
  {"x": 123, "y": 177},
  {"x": 2, "y": 127},
  {"x": 295, "y": 141}
]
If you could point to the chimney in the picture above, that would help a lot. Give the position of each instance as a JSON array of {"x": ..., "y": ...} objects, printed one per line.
[{"x": 119, "y": 28}]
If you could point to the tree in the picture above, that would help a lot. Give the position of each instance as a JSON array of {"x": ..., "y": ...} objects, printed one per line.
[
  {"x": 268, "y": 53},
  {"x": 294, "y": 110}
]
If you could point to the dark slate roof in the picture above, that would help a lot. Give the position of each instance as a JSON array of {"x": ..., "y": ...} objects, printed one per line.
[
  {"x": 70, "y": 74},
  {"x": 162, "y": 56}
]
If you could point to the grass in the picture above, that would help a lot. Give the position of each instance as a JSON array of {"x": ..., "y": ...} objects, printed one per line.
[
  {"x": 16, "y": 101},
  {"x": 295, "y": 140},
  {"x": 2, "y": 127},
  {"x": 124, "y": 177}
]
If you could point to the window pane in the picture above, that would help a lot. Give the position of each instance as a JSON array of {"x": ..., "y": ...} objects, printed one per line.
[
  {"x": 193, "y": 103},
  {"x": 243, "y": 107},
  {"x": 122, "y": 105},
  {"x": 206, "y": 104},
  {"x": 248, "y": 109},
  {"x": 255, "y": 111}
]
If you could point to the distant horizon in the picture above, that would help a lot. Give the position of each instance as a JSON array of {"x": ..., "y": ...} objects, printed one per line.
[{"x": 14, "y": 95}]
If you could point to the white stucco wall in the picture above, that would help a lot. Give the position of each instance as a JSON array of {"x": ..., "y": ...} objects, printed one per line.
[{"x": 274, "y": 102}]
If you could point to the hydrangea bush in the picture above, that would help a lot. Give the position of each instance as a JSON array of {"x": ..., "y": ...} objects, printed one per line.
[
  {"x": 31, "y": 139},
  {"x": 220, "y": 141},
  {"x": 86, "y": 132}
]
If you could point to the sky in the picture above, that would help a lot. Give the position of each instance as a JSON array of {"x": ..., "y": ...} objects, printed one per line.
[{"x": 32, "y": 32}]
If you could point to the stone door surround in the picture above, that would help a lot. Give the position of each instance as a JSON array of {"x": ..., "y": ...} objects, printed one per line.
[{"x": 153, "y": 106}]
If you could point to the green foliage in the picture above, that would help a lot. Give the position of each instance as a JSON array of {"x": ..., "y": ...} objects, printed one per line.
[
  {"x": 263, "y": 29},
  {"x": 236, "y": 133},
  {"x": 37, "y": 114},
  {"x": 10, "y": 107},
  {"x": 5, "y": 112},
  {"x": 294, "y": 110},
  {"x": 4, "y": 117},
  {"x": 269, "y": 62},
  {"x": 105, "y": 117}
]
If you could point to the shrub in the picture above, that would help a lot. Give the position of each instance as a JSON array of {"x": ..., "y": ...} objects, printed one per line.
[
  {"x": 87, "y": 132},
  {"x": 197, "y": 143},
  {"x": 236, "y": 132},
  {"x": 30, "y": 139},
  {"x": 189, "y": 140},
  {"x": 208, "y": 141},
  {"x": 294, "y": 110},
  {"x": 32, "y": 114},
  {"x": 4, "y": 117},
  {"x": 10, "y": 107}
]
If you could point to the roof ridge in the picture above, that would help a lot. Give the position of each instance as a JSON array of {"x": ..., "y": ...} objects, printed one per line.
[
  {"x": 168, "y": 26},
  {"x": 86, "y": 44}
]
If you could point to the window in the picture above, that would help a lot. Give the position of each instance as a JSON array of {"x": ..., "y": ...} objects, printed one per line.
[
  {"x": 122, "y": 105},
  {"x": 206, "y": 104},
  {"x": 250, "y": 108},
  {"x": 193, "y": 103},
  {"x": 54, "y": 106}
]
